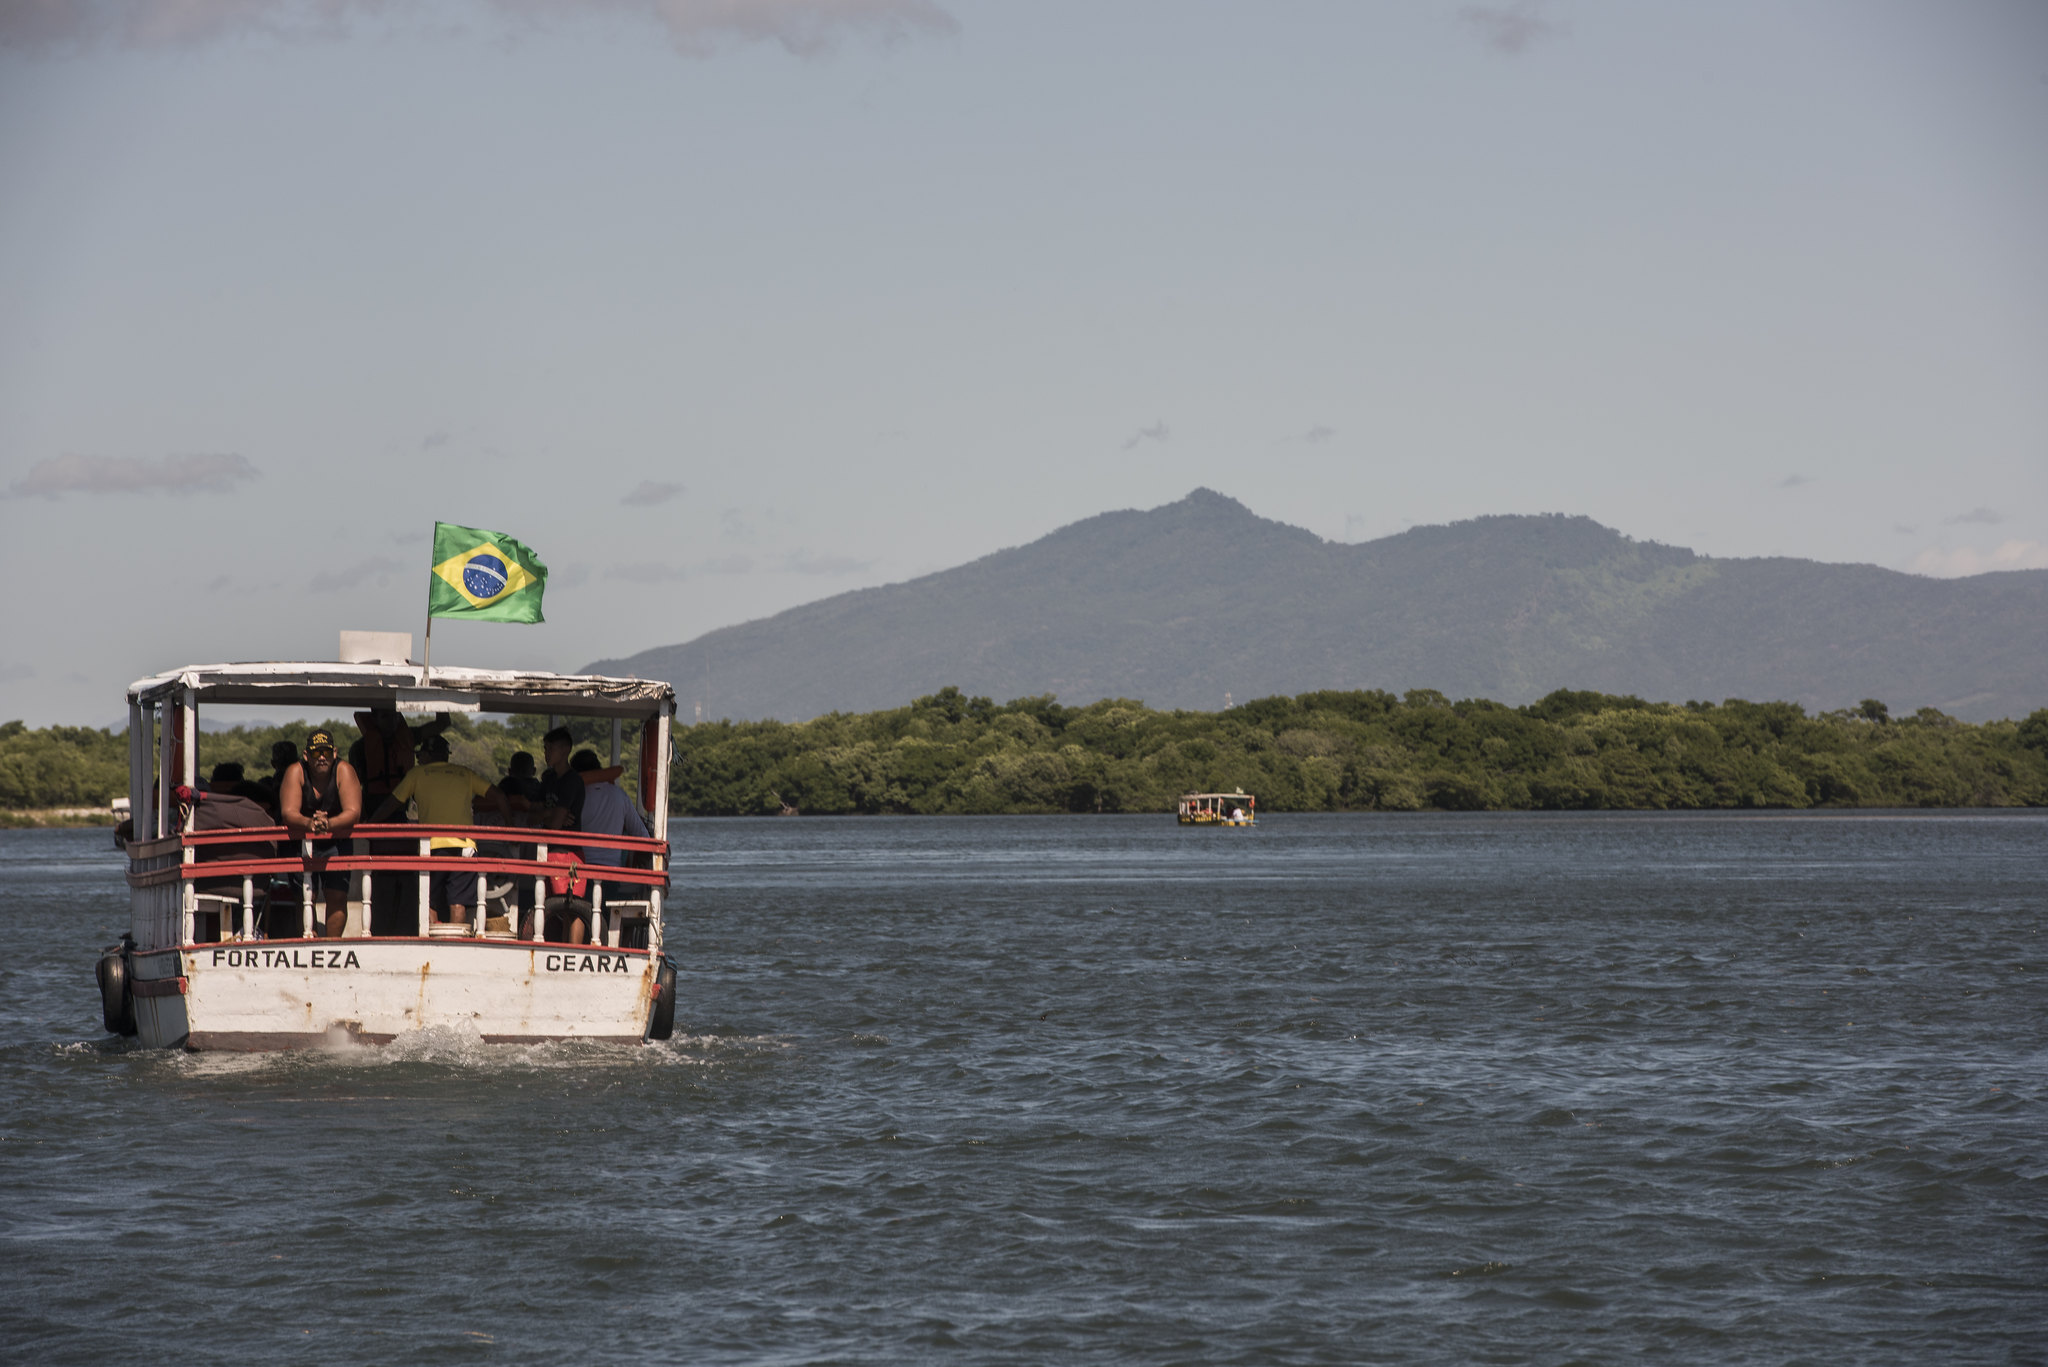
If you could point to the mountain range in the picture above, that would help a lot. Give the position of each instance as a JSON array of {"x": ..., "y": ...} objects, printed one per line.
[{"x": 1186, "y": 603}]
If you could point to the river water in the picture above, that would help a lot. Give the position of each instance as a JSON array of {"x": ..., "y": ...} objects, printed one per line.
[{"x": 1432, "y": 1089}]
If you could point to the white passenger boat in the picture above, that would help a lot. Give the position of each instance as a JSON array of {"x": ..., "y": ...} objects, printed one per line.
[
  {"x": 1235, "y": 808},
  {"x": 196, "y": 970}
]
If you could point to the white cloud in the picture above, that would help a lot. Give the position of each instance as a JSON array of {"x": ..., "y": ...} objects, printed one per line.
[
  {"x": 2013, "y": 555},
  {"x": 695, "y": 27},
  {"x": 1988, "y": 517},
  {"x": 60, "y": 475}
]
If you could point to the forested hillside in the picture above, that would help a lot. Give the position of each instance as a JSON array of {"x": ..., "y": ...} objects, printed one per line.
[{"x": 1327, "y": 751}]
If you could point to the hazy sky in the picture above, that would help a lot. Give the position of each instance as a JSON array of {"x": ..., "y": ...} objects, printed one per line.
[{"x": 724, "y": 305}]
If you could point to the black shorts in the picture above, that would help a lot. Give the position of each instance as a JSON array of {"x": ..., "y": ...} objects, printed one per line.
[
  {"x": 324, "y": 878},
  {"x": 453, "y": 888}
]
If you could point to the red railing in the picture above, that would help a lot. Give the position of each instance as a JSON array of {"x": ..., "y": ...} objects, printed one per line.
[{"x": 577, "y": 842}]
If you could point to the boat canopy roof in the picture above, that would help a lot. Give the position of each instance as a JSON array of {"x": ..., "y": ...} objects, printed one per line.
[
  {"x": 409, "y": 688},
  {"x": 1238, "y": 792}
]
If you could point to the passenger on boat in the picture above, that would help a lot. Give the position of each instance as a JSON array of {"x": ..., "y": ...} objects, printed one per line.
[
  {"x": 220, "y": 898},
  {"x": 283, "y": 756},
  {"x": 511, "y": 891},
  {"x": 227, "y": 780},
  {"x": 562, "y": 788},
  {"x": 445, "y": 793},
  {"x": 383, "y": 756},
  {"x": 321, "y": 799},
  {"x": 523, "y": 791},
  {"x": 606, "y": 811},
  {"x": 566, "y": 913}
]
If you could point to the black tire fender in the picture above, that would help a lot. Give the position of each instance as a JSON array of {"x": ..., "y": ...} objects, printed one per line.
[
  {"x": 117, "y": 1004},
  {"x": 661, "y": 1022}
]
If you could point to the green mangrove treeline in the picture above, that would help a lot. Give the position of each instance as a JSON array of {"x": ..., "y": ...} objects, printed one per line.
[
  {"x": 1372, "y": 750},
  {"x": 80, "y": 766},
  {"x": 1327, "y": 751}
]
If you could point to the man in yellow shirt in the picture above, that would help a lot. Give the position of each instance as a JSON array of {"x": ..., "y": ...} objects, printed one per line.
[{"x": 444, "y": 793}]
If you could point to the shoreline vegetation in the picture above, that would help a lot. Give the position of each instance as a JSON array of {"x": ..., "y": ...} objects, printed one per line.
[
  {"x": 39, "y": 818},
  {"x": 948, "y": 753}
]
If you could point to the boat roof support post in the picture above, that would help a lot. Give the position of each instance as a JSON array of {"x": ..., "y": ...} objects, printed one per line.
[
  {"x": 658, "y": 818},
  {"x": 138, "y": 768},
  {"x": 188, "y": 891},
  {"x": 661, "y": 724},
  {"x": 166, "y": 735},
  {"x": 188, "y": 726}
]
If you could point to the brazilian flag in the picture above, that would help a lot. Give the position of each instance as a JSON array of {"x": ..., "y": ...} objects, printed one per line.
[{"x": 484, "y": 575}]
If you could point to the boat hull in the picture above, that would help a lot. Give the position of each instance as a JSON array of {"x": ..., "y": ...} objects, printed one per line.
[{"x": 305, "y": 994}]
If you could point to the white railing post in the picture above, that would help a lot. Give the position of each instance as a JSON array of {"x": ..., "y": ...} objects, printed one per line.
[
  {"x": 426, "y": 892},
  {"x": 248, "y": 908},
  {"x": 540, "y": 893},
  {"x": 306, "y": 888},
  {"x": 596, "y": 912},
  {"x": 476, "y": 910},
  {"x": 369, "y": 877}
]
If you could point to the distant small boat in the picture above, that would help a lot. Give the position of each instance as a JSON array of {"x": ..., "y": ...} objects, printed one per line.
[{"x": 1219, "y": 809}]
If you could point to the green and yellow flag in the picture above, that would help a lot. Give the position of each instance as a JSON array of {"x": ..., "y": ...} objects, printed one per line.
[{"x": 485, "y": 575}]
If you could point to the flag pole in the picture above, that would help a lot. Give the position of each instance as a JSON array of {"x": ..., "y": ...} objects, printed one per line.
[{"x": 427, "y": 656}]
